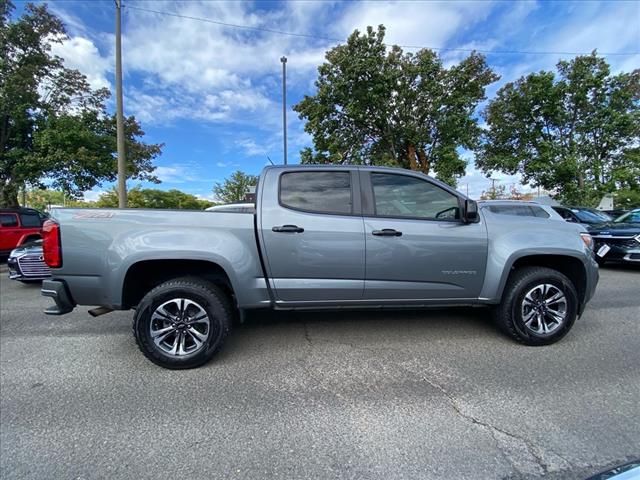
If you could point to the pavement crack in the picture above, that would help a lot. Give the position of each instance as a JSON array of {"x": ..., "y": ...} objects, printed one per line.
[
  {"x": 307, "y": 335},
  {"x": 518, "y": 451}
]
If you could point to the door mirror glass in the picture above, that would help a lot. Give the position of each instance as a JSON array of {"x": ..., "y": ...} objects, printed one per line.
[{"x": 470, "y": 211}]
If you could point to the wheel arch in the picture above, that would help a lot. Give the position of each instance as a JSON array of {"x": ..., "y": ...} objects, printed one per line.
[
  {"x": 570, "y": 266},
  {"x": 144, "y": 275},
  {"x": 27, "y": 237}
]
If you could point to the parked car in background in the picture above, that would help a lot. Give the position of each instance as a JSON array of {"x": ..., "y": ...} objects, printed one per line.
[
  {"x": 19, "y": 226},
  {"x": 519, "y": 208},
  {"x": 26, "y": 263},
  {"x": 233, "y": 207},
  {"x": 615, "y": 213},
  {"x": 618, "y": 240},
  {"x": 583, "y": 215}
]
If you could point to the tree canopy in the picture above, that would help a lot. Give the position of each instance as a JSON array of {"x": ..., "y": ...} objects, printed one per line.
[
  {"x": 53, "y": 126},
  {"x": 235, "y": 188},
  {"x": 575, "y": 132},
  {"x": 381, "y": 106},
  {"x": 139, "y": 197}
]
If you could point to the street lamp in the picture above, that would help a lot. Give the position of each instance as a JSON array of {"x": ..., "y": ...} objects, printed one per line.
[{"x": 283, "y": 59}]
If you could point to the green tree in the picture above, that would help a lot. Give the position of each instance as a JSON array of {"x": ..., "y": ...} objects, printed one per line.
[
  {"x": 41, "y": 199},
  {"x": 139, "y": 197},
  {"x": 52, "y": 124},
  {"x": 576, "y": 133},
  {"x": 494, "y": 193},
  {"x": 382, "y": 106},
  {"x": 235, "y": 188}
]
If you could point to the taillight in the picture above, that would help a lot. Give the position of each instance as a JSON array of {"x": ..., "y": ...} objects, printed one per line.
[{"x": 51, "y": 244}]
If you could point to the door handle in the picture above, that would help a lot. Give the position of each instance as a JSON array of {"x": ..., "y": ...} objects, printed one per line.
[
  {"x": 288, "y": 229},
  {"x": 387, "y": 232}
]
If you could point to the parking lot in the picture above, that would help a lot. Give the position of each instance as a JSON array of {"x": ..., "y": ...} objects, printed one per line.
[{"x": 430, "y": 394}]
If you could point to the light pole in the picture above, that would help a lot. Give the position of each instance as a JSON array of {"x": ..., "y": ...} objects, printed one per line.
[
  {"x": 122, "y": 165},
  {"x": 283, "y": 59}
]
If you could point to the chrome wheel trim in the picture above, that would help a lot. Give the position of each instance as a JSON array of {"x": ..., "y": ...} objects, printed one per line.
[
  {"x": 544, "y": 309},
  {"x": 179, "y": 327}
]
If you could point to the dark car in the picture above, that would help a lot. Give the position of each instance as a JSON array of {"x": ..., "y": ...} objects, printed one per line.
[
  {"x": 26, "y": 263},
  {"x": 619, "y": 240},
  {"x": 583, "y": 215},
  {"x": 19, "y": 226}
]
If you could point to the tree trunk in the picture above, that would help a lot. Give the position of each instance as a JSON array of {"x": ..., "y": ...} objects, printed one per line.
[
  {"x": 411, "y": 155},
  {"x": 424, "y": 162},
  {"x": 8, "y": 195}
]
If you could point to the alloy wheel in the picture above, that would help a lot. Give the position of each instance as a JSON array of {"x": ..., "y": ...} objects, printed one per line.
[{"x": 180, "y": 327}]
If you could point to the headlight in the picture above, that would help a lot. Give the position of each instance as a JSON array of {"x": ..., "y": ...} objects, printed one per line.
[{"x": 588, "y": 240}]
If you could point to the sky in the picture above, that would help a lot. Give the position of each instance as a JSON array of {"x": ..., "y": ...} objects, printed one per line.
[{"x": 212, "y": 94}]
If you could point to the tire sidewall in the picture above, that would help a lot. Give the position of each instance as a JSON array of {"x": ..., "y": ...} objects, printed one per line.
[
  {"x": 207, "y": 300},
  {"x": 516, "y": 308}
]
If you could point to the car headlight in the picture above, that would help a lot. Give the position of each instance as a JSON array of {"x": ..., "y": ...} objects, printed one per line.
[{"x": 587, "y": 239}]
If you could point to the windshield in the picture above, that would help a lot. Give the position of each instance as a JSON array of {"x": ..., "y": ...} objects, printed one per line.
[
  {"x": 589, "y": 217},
  {"x": 629, "y": 217}
]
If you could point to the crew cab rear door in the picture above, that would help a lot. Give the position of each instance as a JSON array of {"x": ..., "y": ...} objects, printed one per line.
[
  {"x": 417, "y": 247},
  {"x": 312, "y": 234}
]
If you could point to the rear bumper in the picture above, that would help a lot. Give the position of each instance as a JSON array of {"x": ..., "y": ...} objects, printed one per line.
[{"x": 57, "y": 290}]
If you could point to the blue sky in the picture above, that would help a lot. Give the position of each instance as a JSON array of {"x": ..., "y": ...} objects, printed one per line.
[{"x": 212, "y": 94}]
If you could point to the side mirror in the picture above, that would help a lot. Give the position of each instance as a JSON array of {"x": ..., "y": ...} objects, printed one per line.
[{"x": 470, "y": 214}]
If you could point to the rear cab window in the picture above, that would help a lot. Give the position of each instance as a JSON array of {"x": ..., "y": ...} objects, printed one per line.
[{"x": 317, "y": 192}]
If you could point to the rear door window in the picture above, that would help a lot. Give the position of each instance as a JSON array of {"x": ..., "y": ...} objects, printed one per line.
[
  {"x": 317, "y": 192},
  {"x": 8, "y": 220}
]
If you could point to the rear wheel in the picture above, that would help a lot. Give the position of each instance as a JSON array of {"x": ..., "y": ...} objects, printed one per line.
[
  {"x": 182, "y": 323},
  {"x": 539, "y": 306}
]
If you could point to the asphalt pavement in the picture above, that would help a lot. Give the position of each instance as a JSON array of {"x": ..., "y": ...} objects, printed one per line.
[{"x": 385, "y": 395}]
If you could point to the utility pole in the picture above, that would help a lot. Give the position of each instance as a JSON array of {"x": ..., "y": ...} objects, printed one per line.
[
  {"x": 284, "y": 105},
  {"x": 122, "y": 164}
]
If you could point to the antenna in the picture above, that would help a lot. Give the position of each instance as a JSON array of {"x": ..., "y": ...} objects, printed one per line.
[{"x": 270, "y": 160}]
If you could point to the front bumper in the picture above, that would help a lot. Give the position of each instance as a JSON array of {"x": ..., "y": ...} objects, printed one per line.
[
  {"x": 623, "y": 250},
  {"x": 25, "y": 269},
  {"x": 57, "y": 290},
  {"x": 592, "y": 277}
]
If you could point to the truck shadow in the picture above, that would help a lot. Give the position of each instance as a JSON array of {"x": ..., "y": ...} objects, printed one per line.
[{"x": 270, "y": 332}]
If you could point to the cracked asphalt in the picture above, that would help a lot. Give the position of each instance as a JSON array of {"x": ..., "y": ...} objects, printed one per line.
[{"x": 383, "y": 395}]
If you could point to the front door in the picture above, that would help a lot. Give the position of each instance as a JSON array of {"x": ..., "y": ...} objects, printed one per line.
[
  {"x": 313, "y": 235},
  {"x": 417, "y": 247}
]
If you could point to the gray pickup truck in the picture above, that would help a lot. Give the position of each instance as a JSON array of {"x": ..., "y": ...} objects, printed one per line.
[{"x": 321, "y": 237}]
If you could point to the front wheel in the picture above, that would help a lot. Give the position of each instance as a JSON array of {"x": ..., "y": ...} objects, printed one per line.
[
  {"x": 182, "y": 323},
  {"x": 539, "y": 306}
]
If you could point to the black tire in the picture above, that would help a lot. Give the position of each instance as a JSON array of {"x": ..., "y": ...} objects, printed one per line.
[
  {"x": 207, "y": 296},
  {"x": 508, "y": 315}
]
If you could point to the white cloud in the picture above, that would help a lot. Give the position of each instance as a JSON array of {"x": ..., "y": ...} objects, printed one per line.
[
  {"x": 174, "y": 174},
  {"x": 430, "y": 24},
  {"x": 81, "y": 54},
  {"x": 93, "y": 195},
  {"x": 251, "y": 148}
]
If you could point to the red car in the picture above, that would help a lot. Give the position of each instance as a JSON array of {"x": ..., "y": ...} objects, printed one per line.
[{"x": 18, "y": 226}]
